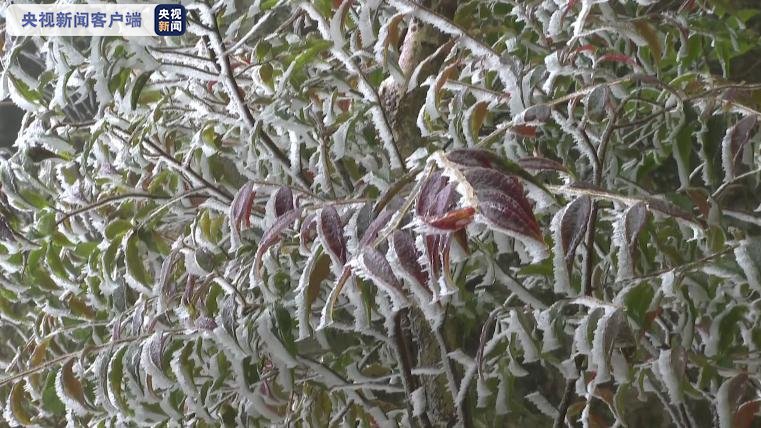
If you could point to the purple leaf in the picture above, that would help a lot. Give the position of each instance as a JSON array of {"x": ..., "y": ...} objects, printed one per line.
[
  {"x": 283, "y": 201},
  {"x": 406, "y": 252},
  {"x": 573, "y": 225},
  {"x": 308, "y": 231},
  {"x": 330, "y": 229},
  {"x": 445, "y": 200},
  {"x": 205, "y": 323},
  {"x": 241, "y": 206},
  {"x": 375, "y": 227},
  {"x": 273, "y": 234},
  {"x": 429, "y": 192},
  {"x": 508, "y": 212},
  {"x": 474, "y": 157},
  {"x": 156, "y": 349},
  {"x": 379, "y": 269},
  {"x": 491, "y": 179}
]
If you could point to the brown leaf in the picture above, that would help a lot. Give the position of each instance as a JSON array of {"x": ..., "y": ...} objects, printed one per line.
[
  {"x": 330, "y": 230},
  {"x": 573, "y": 225},
  {"x": 273, "y": 234}
]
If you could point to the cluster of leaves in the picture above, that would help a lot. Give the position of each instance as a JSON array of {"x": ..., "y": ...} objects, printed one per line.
[{"x": 238, "y": 235}]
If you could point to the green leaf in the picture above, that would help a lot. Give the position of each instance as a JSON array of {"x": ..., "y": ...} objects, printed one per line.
[
  {"x": 137, "y": 88},
  {"x": 135, "y": 266},
  {"x": 117, "y": 228}
]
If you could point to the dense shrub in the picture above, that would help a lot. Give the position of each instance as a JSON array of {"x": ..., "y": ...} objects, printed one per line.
[{"x": 337, "y": 213}]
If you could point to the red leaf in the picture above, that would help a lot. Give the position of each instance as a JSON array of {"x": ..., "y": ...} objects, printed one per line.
[
  {"x": 573, "y": 225},
  {"x": 541, "y": 164},
  {"x": 283, "y": 201},
  {"x": 746, "y": 414},
  {"x": 404, "y": 247},
  {"x": 273, "y": 234},
  {"x": 241, "y": 205},
  {"x": 452, "y": 220},
  {"x": 330, "y": 229},
  {"x": 585, "y": 48},
  {"x": 507, "y": 212}
]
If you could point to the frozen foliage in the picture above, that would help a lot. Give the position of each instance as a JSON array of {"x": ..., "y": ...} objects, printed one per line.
[{"x": 553, "y": 216}]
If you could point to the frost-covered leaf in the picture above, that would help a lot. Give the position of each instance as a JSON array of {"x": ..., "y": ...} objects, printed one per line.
[
  {"x": 330, "y": 229},
  {"x": 283, "y": 201},
  {"x": 273, "y": 235},
  {"x": 240, "y": 209},
  {"x": 69, "y": 390},
  {"x": 507, "y": 212},
  {"x": 573, "y": 224}
]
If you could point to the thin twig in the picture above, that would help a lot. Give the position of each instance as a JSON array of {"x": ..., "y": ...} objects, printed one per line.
[{"x": 105, "y": 201}]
